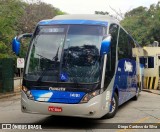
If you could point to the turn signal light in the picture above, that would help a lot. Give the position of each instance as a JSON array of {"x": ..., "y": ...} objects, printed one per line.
[
  {"x": 27, "y": 92},
  {"x": 88, "y": 96}
]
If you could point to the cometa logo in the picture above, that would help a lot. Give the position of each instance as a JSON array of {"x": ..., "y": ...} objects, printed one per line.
[
  {"x": 57, "y": 89},
  {"x": 128, "y": 67}
]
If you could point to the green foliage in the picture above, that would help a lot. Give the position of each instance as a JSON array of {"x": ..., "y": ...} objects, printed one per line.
[
  {"x": 59, "y": 12},
  {"x": 10, "y": 11},
  {"x": 137, "y": 11},
  {"x": 17, "y": 17},
  {"x": 143, "y": 24},
  {"x": 3, "y": 49}
]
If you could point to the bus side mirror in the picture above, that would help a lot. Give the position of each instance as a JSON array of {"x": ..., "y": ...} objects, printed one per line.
[
  {"x": 16, "y": 46},
  {"x": 105, "y": 45},
  {"x": 16, "y": 42}
]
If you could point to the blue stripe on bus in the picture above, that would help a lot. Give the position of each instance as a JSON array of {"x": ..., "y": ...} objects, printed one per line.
[
  {"x": 57, "y": 96},
  {"x": 83, "y": 22}
]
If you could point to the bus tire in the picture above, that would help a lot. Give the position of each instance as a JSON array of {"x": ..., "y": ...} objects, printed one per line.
[
  {"x": 114, "y": 108},
  {"x": 137, "y": 94}
]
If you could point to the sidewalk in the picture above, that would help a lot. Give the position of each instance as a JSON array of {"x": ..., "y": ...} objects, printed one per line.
[
  {"x": 152, "y": 91},
  {"x": 16, "y": 90},
  {"x": 10, "y": 94}
]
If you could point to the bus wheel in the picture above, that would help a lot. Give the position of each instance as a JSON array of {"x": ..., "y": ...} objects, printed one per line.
[
  {"x": 114, "y": 103},
  {"x": 137, "y": 94}
]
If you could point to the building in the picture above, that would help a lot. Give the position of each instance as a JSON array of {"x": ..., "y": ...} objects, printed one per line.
[{"x": 149, "y": 58}]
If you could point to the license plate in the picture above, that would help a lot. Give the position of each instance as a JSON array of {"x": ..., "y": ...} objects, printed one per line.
[{"x": 54, "y": 109}]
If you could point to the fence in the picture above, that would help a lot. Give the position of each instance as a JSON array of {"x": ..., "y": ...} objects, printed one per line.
[{"x": 6, "y": 75}]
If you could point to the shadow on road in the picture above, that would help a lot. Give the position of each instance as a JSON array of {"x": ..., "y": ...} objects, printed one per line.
[
  {"x": 59, "y": 122},
  {"x": 62, "y": 122}
]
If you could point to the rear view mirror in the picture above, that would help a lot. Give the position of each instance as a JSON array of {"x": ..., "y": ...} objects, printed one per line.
[
  {"x": 16, "y": 42},
  {"x": 16, "y": 46},
  {"x": 105, "y": 45}
]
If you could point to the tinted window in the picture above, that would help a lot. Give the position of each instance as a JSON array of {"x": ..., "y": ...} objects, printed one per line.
[
  {"x": 86, "y": 30},
  {"x": 130, "y": 46},
  {"x": 147, "y": 62},
  {"x": 81, "y": 60},
  {"x": 142, "y": 61},
  {"x": 111, "y": 56},
  {"x": 66, "y": 53},
  {"x": 123, "y": 45},
  {"x": 150, "y": 62}
]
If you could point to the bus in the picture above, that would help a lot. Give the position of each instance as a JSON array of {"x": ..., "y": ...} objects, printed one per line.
[{"x": 78, "y": 65}]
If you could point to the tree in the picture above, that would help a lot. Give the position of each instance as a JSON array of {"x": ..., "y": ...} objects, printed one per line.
[
  {"x": 136, "y": 12},
  {"x": 17, "y": 16},
  {"x": 143, "y": 23},
  {"x": 10, "y": 11},
  {"x": 35, "y": 12}
]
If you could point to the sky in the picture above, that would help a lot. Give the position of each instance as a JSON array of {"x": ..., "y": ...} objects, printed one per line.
[{"x": 90, "y": 6}]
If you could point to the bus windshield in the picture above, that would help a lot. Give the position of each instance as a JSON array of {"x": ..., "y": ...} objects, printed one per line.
[{"x": 65, "y": 53}]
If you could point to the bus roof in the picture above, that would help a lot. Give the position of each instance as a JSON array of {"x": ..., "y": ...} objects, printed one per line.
[
  {"x": 93, "y": 17},
  {"x": 80, "y": 19}
]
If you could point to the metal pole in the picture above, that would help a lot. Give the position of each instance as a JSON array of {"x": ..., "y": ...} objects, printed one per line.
[{"x": 20, "y": 79}]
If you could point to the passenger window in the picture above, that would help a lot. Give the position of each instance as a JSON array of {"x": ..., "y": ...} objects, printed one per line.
[
  {"x": 130, "y": 46},
  {"x": 111, "y": 56},
  {"x": 123, "y": 45}
]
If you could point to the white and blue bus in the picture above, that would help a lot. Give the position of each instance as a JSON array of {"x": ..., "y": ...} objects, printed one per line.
[{"x": 78, "y": 65}]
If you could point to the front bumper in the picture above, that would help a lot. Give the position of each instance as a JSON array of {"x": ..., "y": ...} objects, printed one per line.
[{"x": 95, "y": 108}]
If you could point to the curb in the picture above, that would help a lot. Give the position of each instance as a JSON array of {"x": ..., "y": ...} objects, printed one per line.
[
  {"x": 7, "y": 95},
  {"x": 150, "y": 91}
]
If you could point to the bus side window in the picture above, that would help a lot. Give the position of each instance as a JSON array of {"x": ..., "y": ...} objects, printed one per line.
[
  {"x": 111, "y": 56},
  {"x": 123, "y": 45},
  {"x": 131, "y": 45}
]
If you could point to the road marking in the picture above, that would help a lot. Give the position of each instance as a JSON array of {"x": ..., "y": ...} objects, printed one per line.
[{"x": 138, "y": 121}]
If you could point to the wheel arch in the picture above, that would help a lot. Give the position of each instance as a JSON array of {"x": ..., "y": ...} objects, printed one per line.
[{"x": 116, "y": 91}]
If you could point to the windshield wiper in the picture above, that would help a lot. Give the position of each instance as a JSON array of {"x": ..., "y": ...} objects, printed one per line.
[
  {"x": 55, "y": 58},
  {"x": 43, "y": 57}
]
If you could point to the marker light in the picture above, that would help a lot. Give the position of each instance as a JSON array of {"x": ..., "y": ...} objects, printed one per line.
[
  {"x": 27, "y": 92},
  {"x": 24, "y": 89},
  {"x": 88, "y": 96}
]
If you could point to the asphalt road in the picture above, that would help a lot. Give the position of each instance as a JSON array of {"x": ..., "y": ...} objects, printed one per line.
[{"x": 145, "y": 110}]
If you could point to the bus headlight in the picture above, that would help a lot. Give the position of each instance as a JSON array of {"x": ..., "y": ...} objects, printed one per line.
[
  {"x": 27, "y": 92},
  {"x": 88, "y": 96}
]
